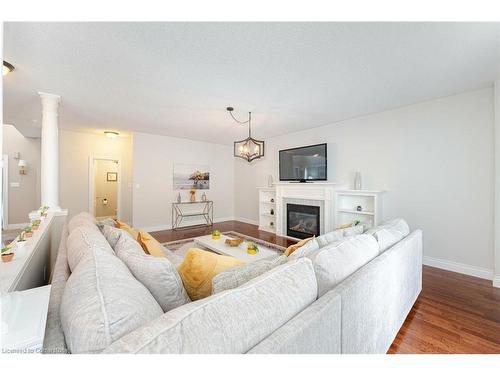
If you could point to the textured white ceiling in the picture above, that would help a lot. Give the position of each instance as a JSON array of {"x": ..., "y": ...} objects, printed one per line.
[{"x": 177, "y": 78}]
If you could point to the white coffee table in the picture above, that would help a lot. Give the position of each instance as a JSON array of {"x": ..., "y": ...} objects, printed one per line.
[{"x": 239, "y": 252}]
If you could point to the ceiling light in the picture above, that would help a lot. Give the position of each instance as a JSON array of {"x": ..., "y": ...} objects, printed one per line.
[
  {"x": 7, "y": 68},
  {"x": 110, "y": 134},
  {"x": 249, "y": 148}
]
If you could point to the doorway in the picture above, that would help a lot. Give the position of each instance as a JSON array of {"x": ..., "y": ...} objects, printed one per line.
[{"x": 104, "y": 188}]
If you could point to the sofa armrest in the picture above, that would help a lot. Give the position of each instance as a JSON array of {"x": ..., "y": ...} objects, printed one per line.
[{"x": 315, "y": 330}]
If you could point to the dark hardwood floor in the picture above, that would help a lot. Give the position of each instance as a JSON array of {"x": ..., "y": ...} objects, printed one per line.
[{"x": 454, "y": 313}]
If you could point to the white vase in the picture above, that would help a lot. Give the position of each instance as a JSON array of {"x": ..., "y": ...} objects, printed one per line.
[{"x": 357, "y": 181}]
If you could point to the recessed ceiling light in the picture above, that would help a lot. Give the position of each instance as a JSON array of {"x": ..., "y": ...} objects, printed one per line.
[
  {"x": 7, "y": 68},
  {"x": 111, "y": 134}
]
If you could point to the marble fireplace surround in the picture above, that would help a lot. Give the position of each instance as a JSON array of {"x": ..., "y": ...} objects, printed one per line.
[{"x": 320, "y": 194}]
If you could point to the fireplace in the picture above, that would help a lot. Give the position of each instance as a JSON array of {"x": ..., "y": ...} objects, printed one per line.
[{"x": 302, "y": 221}]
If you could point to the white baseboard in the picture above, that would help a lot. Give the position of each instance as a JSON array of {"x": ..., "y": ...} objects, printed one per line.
[
  {"x": 248, "y": 221},
  {"x": 496, "y": 281},
  {"x": 17, "y": 226},
  {"x": 483, "y": 273}
]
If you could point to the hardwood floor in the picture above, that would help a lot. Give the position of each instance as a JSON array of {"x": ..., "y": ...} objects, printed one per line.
[{"x": 454, "y": 313}]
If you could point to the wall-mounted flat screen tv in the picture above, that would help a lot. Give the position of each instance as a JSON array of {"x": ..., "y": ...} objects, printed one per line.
[{"x": 304, "y": 164}]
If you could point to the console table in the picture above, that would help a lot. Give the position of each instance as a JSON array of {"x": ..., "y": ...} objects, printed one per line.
[{"x": 179, "y": 212}]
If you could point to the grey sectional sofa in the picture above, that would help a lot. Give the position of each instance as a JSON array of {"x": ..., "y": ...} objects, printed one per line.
[{"x": 281, "y": 311}]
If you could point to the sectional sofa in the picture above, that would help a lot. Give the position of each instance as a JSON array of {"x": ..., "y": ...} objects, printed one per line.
[{"x": 339, "y": 294}]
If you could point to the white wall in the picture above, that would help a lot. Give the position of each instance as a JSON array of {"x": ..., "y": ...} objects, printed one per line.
[
  {"x": 75, "y": 148},
  {"x": 153, "y": 194},
  {"x": 496, "y": 280},
  {"x": 26, "y": 197},
  {"x": 435, "y": 159}
]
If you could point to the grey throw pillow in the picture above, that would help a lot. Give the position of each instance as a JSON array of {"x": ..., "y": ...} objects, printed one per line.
[
  {"x": 102, "y": 302},
  {"x": 113, "y": 234},
  {"x": 157, "y": 274},
  {"x": 238, "y": 276}
]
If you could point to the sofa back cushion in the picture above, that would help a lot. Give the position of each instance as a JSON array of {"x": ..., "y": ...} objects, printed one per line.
[
  {"x": 83, "y": 239},
  {"x": 102, "y": 302},
  {"x": 335, "y": 262},
  {"x": 237, "y": 276},
  {"x": 233, "y": 321},
  {"x": 81, "y": 219},
  {"x": 157, "y": 274},
  {"x": 389, "y": 233}
]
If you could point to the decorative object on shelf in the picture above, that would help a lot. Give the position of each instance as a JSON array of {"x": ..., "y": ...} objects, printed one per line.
[
  {"x": 359, "y": 208},
  {"x": 357, "y": 181},
  {"x": 203, "y": 197},
  {"x": 272, "y": 200},
  {"x": 252, "y": 248},
  {"x": 234, "y": 242},
  {"x": 179, "y": 199},
  {"x": 7, "y": 254},
  {"x": 272, "y": 211},
  {"x": 270, "y": 181},
  {"x": 21, "y": 240},
  {"x": 28, "y": 232},
  {"x": 35, "y": 224},
  {"x": 249, "y": 148},
  {"x": 191, "y": 176},
  {"x": 356, "y": 222},
  {"x": 271, "y": 224},
  {"x": 216, "y": 235},
  {"x": 192, "y": 195}
]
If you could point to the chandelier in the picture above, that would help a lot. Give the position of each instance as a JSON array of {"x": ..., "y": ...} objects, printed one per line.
[{"x": 249, "y": 148}]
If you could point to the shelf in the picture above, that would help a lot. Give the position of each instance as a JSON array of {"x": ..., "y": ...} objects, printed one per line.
[
  {"x": 347, "y": 211},
  {"x": 268, "y": 215},
  {"x": 359, "y": 192},
  {"x": 264, "y": 202}
]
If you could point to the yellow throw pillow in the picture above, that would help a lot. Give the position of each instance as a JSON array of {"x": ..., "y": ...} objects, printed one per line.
[
  {"x": 290, "y": 249},
  {"x": 127, "y": 228},
  {"x": 150, "y": 245},
  {"x": 199, "y": 268}
]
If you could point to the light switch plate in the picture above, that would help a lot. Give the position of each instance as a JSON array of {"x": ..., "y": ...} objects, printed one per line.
[{"x": 15, "y": 184}]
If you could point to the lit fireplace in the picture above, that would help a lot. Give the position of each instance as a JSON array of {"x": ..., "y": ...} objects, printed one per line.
[{"x": 302, "y": 221}]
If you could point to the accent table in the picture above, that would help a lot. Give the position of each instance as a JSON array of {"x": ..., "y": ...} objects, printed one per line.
[{"x": 178, "y": 214}]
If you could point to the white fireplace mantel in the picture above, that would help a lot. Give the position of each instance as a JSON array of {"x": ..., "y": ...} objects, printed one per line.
[{"x": 320, "y": 194}]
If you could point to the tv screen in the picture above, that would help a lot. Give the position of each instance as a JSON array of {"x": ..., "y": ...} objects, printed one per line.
[{"x": 303, "y": 163}]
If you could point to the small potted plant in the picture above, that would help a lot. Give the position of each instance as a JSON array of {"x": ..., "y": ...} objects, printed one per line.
[
  {"x": 7, "y": 254},
  {"x": 35, "y": 224},
  {"x": 21, "y": 241},
  {"x": 252, "y": 248},
  {"x": 43, "y": 211},
  {"x": 28, "y": 232}
]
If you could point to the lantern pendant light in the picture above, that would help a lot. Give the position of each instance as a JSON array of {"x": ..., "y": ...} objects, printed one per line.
[{"x": 249, "y": 148}]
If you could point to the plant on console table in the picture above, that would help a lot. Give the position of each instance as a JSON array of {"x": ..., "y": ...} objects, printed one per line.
[
  {"x": 35, "y": 224},
  {"x": 21, "y": 241},
  {"x": 43, "y": 211},
  {"x": 28, "y": 232},
  {"x": 7, "y": 254}
]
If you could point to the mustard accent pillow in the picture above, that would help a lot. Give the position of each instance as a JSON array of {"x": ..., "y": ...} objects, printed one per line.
[
  {"x": 290, "y": 249},
  {"x": 150, "y": 245},
  {"x": 127, "y": 228},
  {"x": 200, "y": 267}
]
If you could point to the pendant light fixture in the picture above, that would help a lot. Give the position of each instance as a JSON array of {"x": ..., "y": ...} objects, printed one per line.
[
  {"x": 249, "y": 148},
  {"x": 7, "y": 68}
]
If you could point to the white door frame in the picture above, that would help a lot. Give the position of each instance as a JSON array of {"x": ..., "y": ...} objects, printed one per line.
[
  {"x": 93, "y": 158},
  {"x": 5, "y": 191}
]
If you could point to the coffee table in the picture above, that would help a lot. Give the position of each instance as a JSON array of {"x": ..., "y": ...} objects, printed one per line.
[{"x": 239, "y": 252}]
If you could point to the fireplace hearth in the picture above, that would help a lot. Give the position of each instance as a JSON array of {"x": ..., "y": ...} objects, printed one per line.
[{"x": 302, "y": 220}]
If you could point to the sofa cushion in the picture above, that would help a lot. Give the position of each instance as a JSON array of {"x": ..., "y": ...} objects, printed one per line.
[
  {"x": 353, "y": 231},
  {"x": 335, "y": 262},
  {"x": 112, "y": 235},
  {"x": 389, "y": 233},
  {"x": 150, "y": 245},
  {"x": 102, "y": 302},
  {"x": 200, "y": 267},
  {"x": 304, "y": 250},
  {"x": 157, "y": 274},
  {"x": 330, "y": 237},
  {"x": 290, "y": 249},
  {"x": 234, "y": 277},
  {"x": 233, "y": 321},
  {"x": 83, "y": 239},
  {"x": 81, "y": 219},
  {"x": 127, "y": 228},
  {"x": 105, "y": 222}
]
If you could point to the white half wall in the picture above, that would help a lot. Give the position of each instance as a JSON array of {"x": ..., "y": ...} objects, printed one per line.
[
  {"x": 435, "y": 159},
  {"x": 496, "y": 277},
  {"x": 153, "y": 192}
]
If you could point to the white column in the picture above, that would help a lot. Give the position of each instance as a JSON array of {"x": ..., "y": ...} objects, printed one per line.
[
  {"x": 50, "y": 151},
  {"x": 496, "y": 227}
]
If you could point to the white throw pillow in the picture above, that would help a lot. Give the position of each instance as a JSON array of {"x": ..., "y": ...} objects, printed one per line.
[
  {"x": 330, "y": 237},
  {"x": 389, "y": 233},
  {"x": 157, "y": 274},
  {"x": 354, "y": 230},
  {"x": 335, "y": 262}
]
